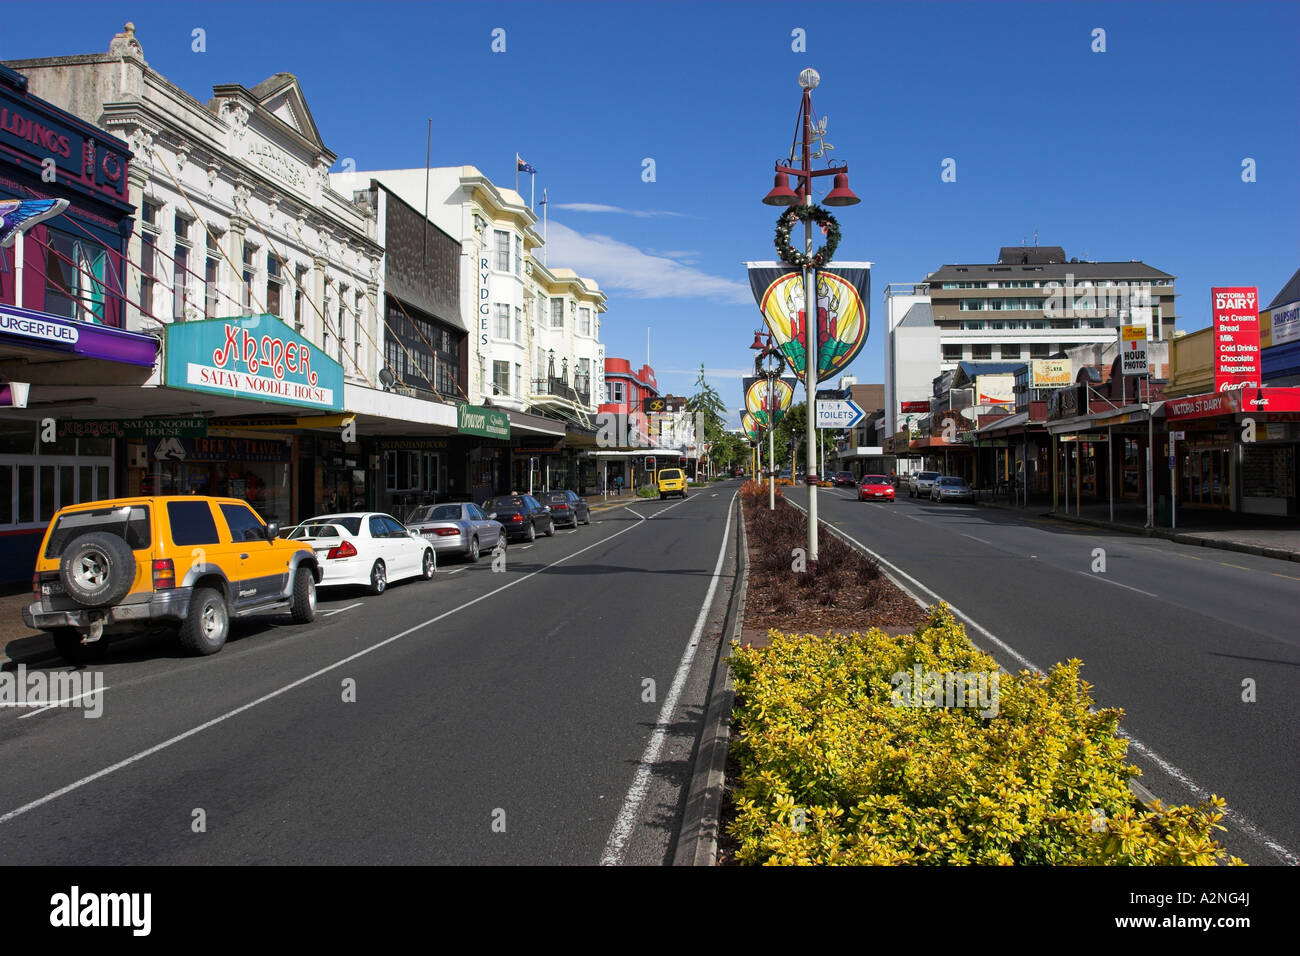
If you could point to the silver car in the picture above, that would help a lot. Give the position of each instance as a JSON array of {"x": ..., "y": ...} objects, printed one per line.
[
  {"x": 918, "y": 486},
  {"x": 951, "y": 488},
  {"x": 458, "y": 528}
]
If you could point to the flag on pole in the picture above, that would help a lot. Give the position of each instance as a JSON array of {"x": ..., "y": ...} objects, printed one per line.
[
  {"x": 543, "y": 202},
  {"x": 523, "y": 167}
]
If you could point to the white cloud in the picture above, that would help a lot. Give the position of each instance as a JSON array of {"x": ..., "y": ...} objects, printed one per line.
[
  {"x": 601, "y": 207},
  {"x": 625, "y": 268}
]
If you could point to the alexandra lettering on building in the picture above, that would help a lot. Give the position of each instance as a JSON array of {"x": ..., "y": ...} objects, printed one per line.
[{"x": 255, "y": 357}]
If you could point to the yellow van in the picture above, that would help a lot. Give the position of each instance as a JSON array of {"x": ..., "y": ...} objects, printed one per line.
[{"x": 671, "y": 481}]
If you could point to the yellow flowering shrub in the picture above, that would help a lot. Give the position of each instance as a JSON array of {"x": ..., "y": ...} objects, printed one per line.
[{"x": 834, "y": 771}]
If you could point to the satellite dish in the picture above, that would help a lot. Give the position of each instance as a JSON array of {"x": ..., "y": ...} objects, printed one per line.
[{"x": 386, "y": 377}]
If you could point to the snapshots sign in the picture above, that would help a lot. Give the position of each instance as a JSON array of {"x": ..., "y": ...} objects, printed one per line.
[{"x": 257, "y": 357}]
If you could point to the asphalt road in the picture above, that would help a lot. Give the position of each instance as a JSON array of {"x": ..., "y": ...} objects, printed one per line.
[
  {"x": 1169, "y": 632},
  {"x": 498, "y": 718}
]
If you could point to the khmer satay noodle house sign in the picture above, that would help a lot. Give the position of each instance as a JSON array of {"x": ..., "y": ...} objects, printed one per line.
[
  {"x": 757, "y": 400},
  {"x": 842, "y": 317}
]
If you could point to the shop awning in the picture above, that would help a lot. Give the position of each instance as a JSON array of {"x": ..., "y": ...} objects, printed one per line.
[{"x": 48, "y": 350}]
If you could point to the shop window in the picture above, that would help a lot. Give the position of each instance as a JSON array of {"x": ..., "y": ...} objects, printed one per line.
[
  {"x": 191, "y": 523},
  {"x": 242, "y": 523}
]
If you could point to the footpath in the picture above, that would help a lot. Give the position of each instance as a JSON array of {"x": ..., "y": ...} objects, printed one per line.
[{"x": 1270, "y": 536}]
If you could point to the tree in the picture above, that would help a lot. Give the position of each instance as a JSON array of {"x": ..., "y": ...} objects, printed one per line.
[{"x": 708, "y": 410}]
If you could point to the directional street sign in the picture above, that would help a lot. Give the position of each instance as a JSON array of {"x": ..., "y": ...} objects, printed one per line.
[{"x": 838, "y": 413}]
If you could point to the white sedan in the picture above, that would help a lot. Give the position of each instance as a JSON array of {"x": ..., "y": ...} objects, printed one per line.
[{"x": 366, "y": 548}]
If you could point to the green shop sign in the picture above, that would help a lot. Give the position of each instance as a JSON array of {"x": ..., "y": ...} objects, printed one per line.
[
  {"x": 487, "y": 422},
  {"x": 133, "y": 428}
]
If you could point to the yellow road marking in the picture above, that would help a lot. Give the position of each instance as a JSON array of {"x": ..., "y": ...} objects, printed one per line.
[
  {"x": 1289, "y": 576},
  {"x": 1192, "y": 556}
]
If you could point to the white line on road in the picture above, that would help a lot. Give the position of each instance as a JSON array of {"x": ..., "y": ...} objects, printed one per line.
[
  {"x": 171, "y": 741},
  {"x": 1244, "y": 825},
  {"x": 340, "y": 610},
  {"x": 973, "y": 538},
  {"x": 636, "y": 794},
  {"x": 1102, "y": 577},
  {"x": 455, "y": 571},
  {"x": 54, "y": 704}
]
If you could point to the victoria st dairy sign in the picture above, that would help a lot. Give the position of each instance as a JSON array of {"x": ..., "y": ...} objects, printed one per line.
[
  {"x": 256, "y": 357},
  {"x": 1236, "y": 338}
]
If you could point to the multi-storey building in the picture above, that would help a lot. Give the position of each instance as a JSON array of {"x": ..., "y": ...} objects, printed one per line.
[{"x": 1031, "y": 303}]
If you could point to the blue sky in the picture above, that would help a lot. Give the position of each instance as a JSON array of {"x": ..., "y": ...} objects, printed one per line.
[{"x": 1131, "y": 153}]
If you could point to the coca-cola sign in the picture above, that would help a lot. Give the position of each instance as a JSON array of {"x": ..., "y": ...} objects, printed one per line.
[{"x": 1236, "y": 337}]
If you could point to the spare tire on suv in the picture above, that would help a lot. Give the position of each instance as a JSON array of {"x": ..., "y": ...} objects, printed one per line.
[{"x": 97, "y": 569}]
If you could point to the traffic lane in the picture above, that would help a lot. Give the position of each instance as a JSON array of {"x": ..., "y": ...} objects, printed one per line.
[
  {"x": 141, "y": 672},
  {"x": 1176, "y": 673},
  {"x": 450, "y": 725},
  {"x": 1213, "y": 582}
]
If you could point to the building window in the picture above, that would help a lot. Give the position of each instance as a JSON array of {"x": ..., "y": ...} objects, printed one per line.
[
  {"x": 74, "y": 277},
  {"x": 213, "y": 260},
  {"x": 519, "y": 326},
  {"x": 584, "y": 321},
  {"x": 616, "y": 392},
  {"x": 502, "y": 330},
  {"x": 147, "y": 281},
  {"x": 981, "y": 352},
  {"x": 500, "y": 378},
  {"x": 557, "y": 313},
  {"x": 952, "y": 353},
  {"x": 149, "y": 213},
  {"x": 250, "y": 251},
  {"x": 1010, "y": 351},
  {"x": 273, "y": 283},
  {"x": 1039, "y": 350},
  {"x": 298, "y": 301},
  {"x": 519, "y": 256},
  {"x": 502, "y": 240},
  {"x": 519, "y": 379}
]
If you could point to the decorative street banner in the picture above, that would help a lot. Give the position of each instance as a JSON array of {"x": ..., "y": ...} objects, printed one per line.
[
  {"x": 1236, "y": 337},
  {"x": 255, "y": 356},
  {"x": 843, "y": 312},
  {"x": 753, "y": 430},
  {"x": 756, "y": 399}
]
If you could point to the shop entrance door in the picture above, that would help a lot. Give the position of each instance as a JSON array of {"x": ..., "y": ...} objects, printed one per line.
[{"x": 1207, "y": 478}]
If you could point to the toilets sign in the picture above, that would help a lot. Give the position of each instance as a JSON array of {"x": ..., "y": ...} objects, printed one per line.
[{"x": 257, "y": 357}]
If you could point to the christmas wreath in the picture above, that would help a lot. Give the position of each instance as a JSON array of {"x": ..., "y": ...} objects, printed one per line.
[{"x": 802, "y": 214}]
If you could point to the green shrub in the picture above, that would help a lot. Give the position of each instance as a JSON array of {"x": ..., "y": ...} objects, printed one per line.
[
  {"x": 647, "y": 492},
  {"x": 820, "y": 741}
]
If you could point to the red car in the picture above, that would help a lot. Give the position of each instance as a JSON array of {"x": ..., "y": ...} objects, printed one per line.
[{"x": 876, "y": 488}]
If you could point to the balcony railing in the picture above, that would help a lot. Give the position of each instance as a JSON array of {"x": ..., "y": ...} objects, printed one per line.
[{"x": 553, "y": 385}]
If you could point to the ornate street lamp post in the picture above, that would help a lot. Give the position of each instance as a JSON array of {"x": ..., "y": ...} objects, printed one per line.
[
  {"x": 767, "y": 364},
  {"x": 783, "y": 195}
]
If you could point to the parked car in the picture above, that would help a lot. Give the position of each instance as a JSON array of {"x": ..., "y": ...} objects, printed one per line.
[
  {"x": 844, "y": 479},
  {"x": 783, "y": 478},
  {"x": 366, "y": 548},
  {"x": 458, "y": 528},
  {"x": 919, "y": 484},
  {"x": 567, "y": 508},
  {"x": 876, "y": 488},
  {"x": 951, "y": 488},
  {"x": 523, "y": 516},
  {"x": 671, "y": 481},
  {"x": 194, "y": 562}
]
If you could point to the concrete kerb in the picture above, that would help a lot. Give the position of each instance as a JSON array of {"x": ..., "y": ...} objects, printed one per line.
[
  {"x": 1182, "y": 537},
  {"x": 697, "y": 841}
]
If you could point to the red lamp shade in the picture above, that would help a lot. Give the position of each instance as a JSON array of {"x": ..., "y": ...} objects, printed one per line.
[
  {"x": 841, "y": 194},
  {"x": 759, "y": 344},
  {"x": 781, "y": 194}
]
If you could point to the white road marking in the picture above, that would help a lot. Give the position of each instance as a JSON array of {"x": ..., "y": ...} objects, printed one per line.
[
  {"x": 973, "y": 538},
  {"x": 456, "y": 571},
  {"x": 1245, "y": 826},
  {"x": 340, "y": 610},
  {"x": 53, "y": 704},
  {"x": 630, "y": 812},
  {"x": 1102, "y": 577},
  {"x": 172, "y": 741},
  {"x": 524, "y": 547}
]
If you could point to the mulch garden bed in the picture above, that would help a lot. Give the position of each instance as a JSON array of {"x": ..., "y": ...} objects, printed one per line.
[{"x": 846, "y": 590}]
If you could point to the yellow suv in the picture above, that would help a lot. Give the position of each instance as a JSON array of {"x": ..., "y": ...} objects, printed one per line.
[
  {"x": 192, "y": 562},
  {"x": 671, "y": 481}
]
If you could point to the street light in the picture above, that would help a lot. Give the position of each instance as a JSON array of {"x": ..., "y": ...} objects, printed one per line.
[
  {"x": 840, "y": 195},
  {"x": 764, "y": 368}
]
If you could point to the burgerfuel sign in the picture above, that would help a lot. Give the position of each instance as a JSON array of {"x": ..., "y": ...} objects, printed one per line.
[{"x": 256, "y": 357}]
